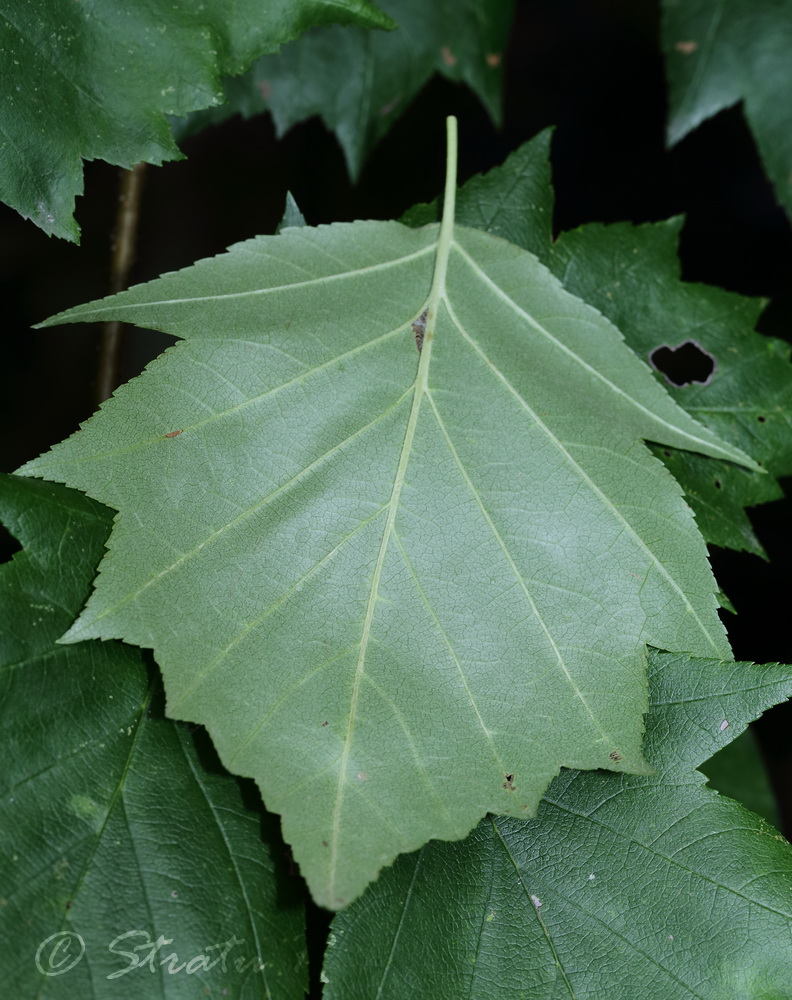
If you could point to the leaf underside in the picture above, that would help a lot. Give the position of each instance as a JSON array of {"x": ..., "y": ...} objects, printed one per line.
[
  {"x": 400, "y": 589},
  {"x": 96, "y": 81},
  {"x": 631, "y": 273}
]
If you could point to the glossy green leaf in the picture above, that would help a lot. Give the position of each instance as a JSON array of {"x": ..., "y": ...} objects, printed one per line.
[
  {"x": 95, "y": 80},
  {"x": 718, "y": 53},
  {"x": 113, "y": 832},
  {"x": 400, "y": 588},
  {"x": 624, "y": 886},
  {"x": 360, "y": 82},
  {"x": 632, "y": 275}
]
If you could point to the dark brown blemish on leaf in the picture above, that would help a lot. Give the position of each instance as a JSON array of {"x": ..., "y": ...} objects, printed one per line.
[
  {"x": 448, "y": 56},
  {"x": 173, "y": 434},
  {"x": 615, "y": 756},
  {"x": 686, "y": 48},
  {"x": 761, "y": 419},
  {"x": 419, "y": 329},
  {"x": 508, "y": 784},
  {"x": 718, "y": 484},
  {"x": 684, "y": 364},
  {"x": 324, "y": 843},
  {"x": 493, "y": 59},
  {"x": 324, "y": 724}
]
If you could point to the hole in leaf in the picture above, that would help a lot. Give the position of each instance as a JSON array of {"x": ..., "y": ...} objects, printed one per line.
[
  {"x": 761, "y": 419},
  {"x": 684, "y": 364},
  {"x": 718, "y": 484},
  {"x": 508, "y": 784}
]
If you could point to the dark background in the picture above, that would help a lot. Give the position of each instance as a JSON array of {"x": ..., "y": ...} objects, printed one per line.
[{"x": 590, "y": 67}]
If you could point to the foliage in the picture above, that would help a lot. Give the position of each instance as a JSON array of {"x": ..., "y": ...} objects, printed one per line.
[
  {"x": 606, "y": 892},
  {"x": 109, "y": 810},
  {"x": 81, "y": 81},
  {"x": 359, "y": 82},
  {"x": 720, "y": 53},
  {"x": 413, "y": 519}
]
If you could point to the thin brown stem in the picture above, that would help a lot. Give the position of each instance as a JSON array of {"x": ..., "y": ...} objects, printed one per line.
[{"x": 124, "y": 241}]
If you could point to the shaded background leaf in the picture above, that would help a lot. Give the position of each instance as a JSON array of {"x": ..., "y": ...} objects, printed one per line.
[
  {"x": 719, "y": 52},
  {"x": 112, "y": 818},
  {"x": 738, "y": 771},
  {"x": 83, "y": 81},
  {"x": 623, "y": 886},
  {"x": 359, "y": 82}
]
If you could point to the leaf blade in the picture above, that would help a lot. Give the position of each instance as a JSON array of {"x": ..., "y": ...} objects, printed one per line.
[
  {"x": 109, "y": 810},
  {"x": 112, "y": 73},
  {"x": 607, "y": 890},
  {"x": 366, "y": 645},
  {"x": 720, "y": 53}
]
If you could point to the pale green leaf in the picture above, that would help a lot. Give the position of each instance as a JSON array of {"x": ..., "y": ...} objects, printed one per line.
[
  {"x": 360, "y": 82},
  {"x": 113, "y": 832},
  {"x": 400, "y": 589},
  {"x": 622, "y": 887},
  {"x": 632, "y": 275},
  {"x": 719, "y": 52},
  {"x": 95, "y": 80}
]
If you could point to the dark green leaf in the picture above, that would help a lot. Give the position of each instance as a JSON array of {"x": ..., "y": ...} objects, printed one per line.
[
  {"x": 112, "y": 831},
  {"x": 360, "y": 82},
  {"x": 513, "y": 201},
  {"x": 719, "y": 52},
  {"x": 739, "y": 772},
  {"x": 622, "y": 887},
  {"x": 96, "y": 80}
]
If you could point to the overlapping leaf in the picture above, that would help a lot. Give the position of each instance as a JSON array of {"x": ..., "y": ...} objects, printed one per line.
[
  {"x": 739, "y": 771},
  {"x": 360, "y": 82},
  {"x": 113, "y": 835},
  {"x": 400, "y": 589},
  {"x": 632, "y": 275},
  {"x": 96, "y": 80},
  {"x": 719, "y": 53},
  {"x": 623, "y": 886}
]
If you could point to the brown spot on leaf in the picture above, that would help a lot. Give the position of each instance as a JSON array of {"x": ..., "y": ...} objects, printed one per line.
[
  {"x": 173, "y": 434},
  {"x": 508, "y": 784},
  {"x": 493, "y": 59},
  {"x": 448, "y": 56},
  {"x": 686, "y": 48},
  {"x": 615, "y": 756},
  {"x": 419, "y": 329},
  {"x": 324, "y": 724}
]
